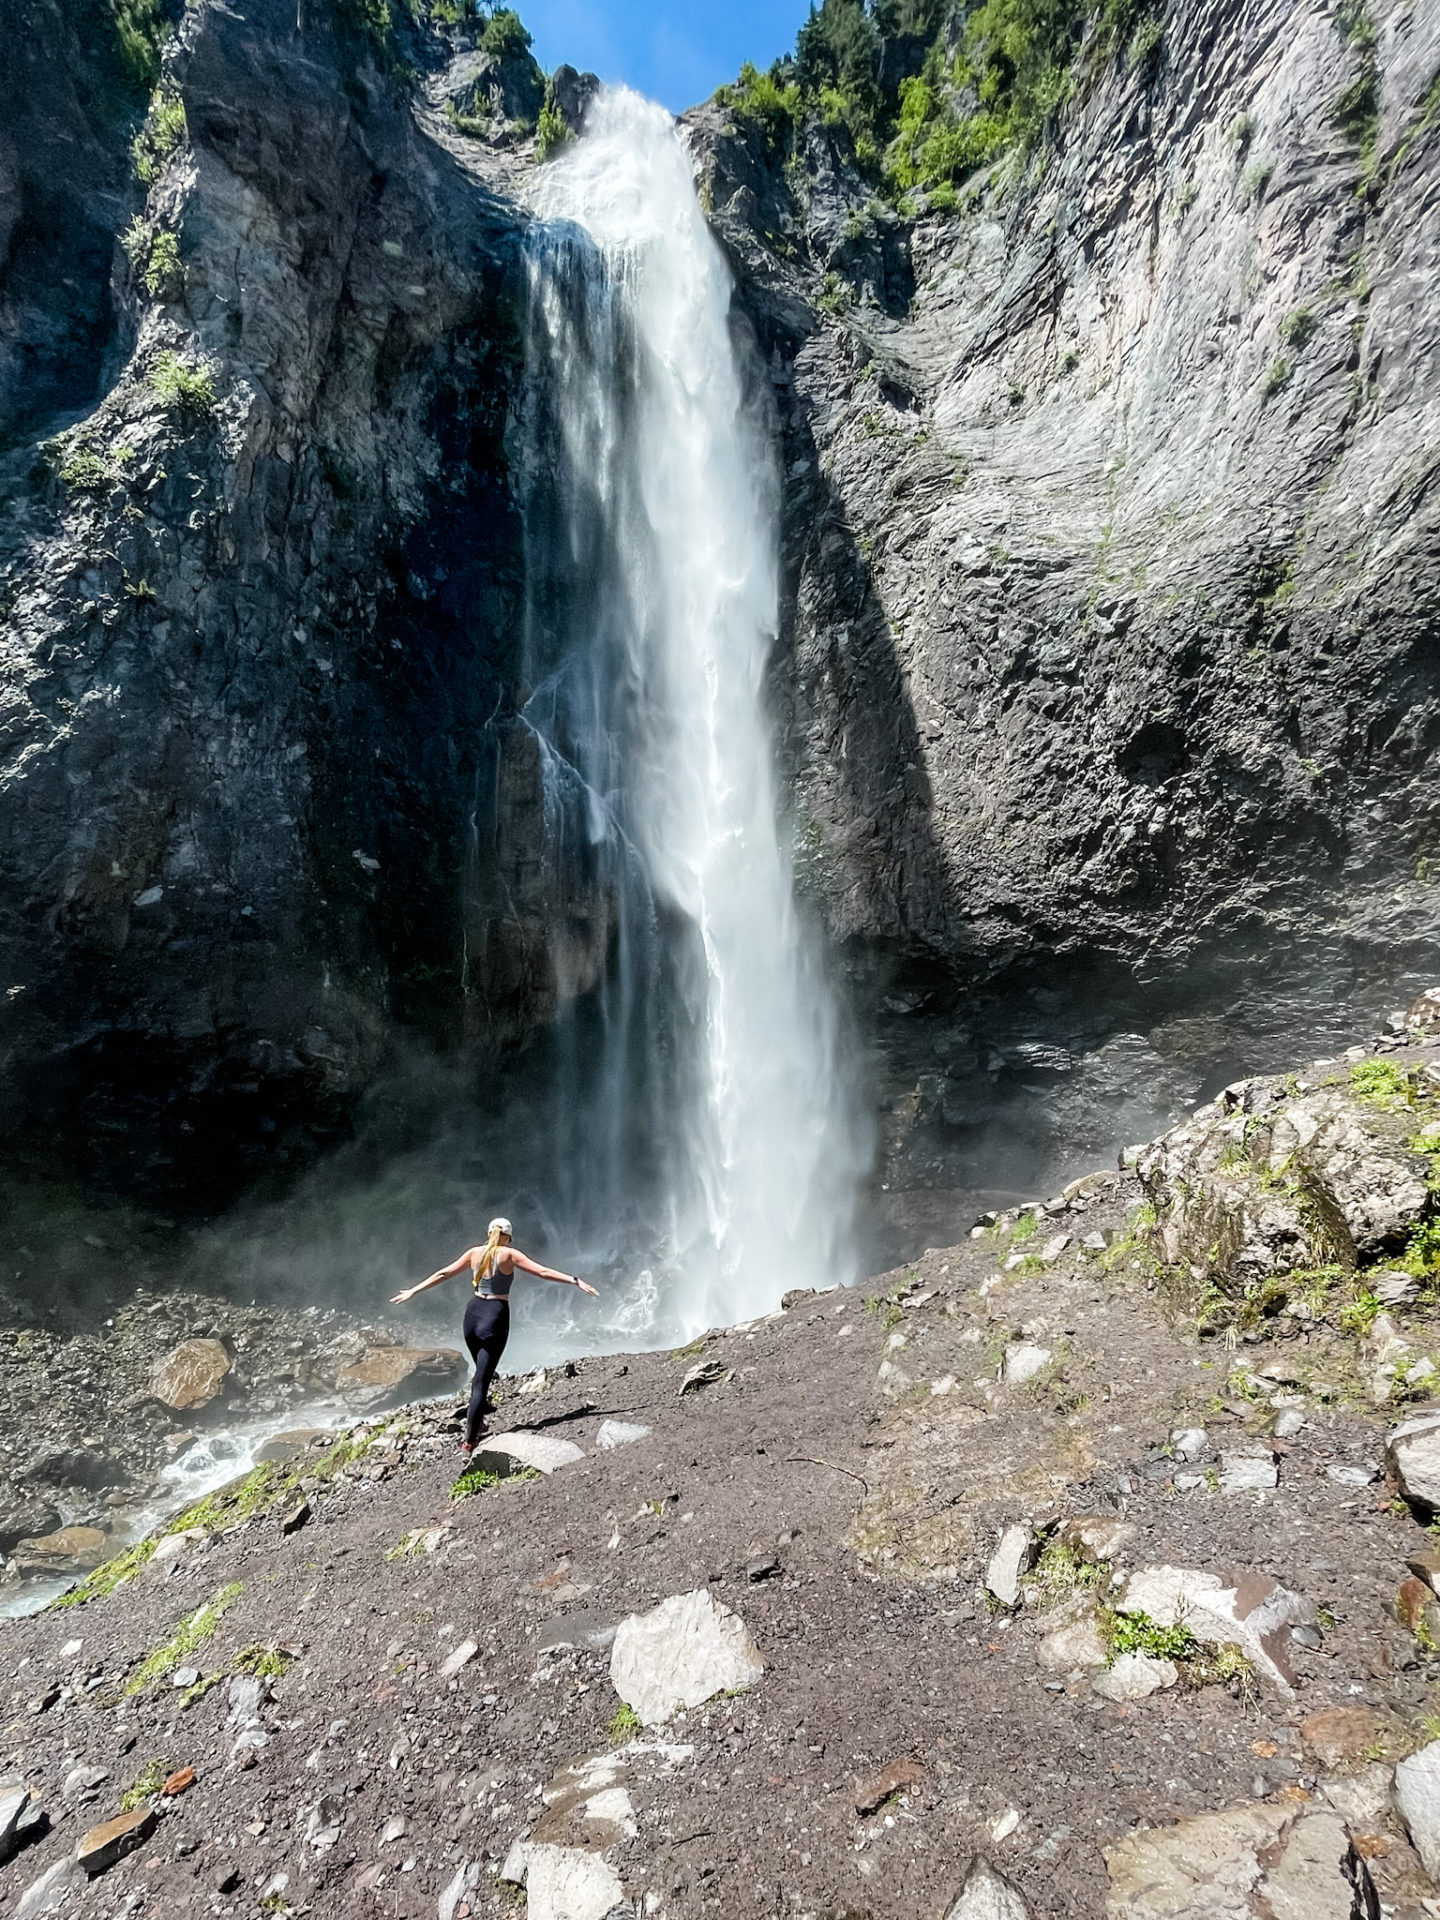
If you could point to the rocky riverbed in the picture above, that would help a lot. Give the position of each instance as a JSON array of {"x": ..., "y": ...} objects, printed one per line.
[{"x": 1080, "y": 1568}]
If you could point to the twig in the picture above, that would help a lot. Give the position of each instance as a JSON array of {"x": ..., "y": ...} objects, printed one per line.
[{"x": 809, "y": 1460}]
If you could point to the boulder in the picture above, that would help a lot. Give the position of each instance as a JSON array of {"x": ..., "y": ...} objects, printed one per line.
[
  {"x": 618, "y": 1433},
  {"x": 1135, "y": 1676},
  {"x": 68, "y": 1550},
  {"x": 1259, "y": 1862},
  {"x": 511, "y": 1453},
  {"x": 113, "y": 1839},
  {"x": 1271, "y": 1178},
  {"x": 1073, "y": 1643},
  {"x": 569, "y": 1883},
  {"x": 1256, "y": 1614},
  {"x": 74, "y": 1467},
  {"x": 1417, "y": 1795},
  {"x": 281, "y": 1448},
  {"x": 190, "y": 1375},
  {"x": 52, "y": 1890},
  {"x": 1096, "y": 1537},
  {"x": 1363, "y": 1798},
  {"x": 1013, "y": 1556},
  {"x": 1247, "y": 1473},
  {"x": 987, "y": 1896},
  {"x": 1412, "y": 1454},
  {"x": 388, "y": 1376},
  {"x": 681, "y": 1653}
]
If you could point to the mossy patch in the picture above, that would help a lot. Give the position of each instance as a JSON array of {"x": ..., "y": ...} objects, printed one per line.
[{"x": 192, "y": 1633}]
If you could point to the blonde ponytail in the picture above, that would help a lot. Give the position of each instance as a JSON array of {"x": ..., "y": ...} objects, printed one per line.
[{"x": 486, "y": 1268}]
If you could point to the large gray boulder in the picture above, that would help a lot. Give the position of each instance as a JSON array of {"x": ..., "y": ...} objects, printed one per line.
[
  {"x": 681, "y": 1653},
  {"x": 1258, "y": 1862},
  {"x": 1413, "y": 1455}
]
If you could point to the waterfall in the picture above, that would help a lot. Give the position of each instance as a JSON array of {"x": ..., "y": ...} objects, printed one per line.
[{"x": 700, "y": 1129}]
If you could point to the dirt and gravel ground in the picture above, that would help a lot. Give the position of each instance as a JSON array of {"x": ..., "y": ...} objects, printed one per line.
[{"x": 846, "y": 1510}]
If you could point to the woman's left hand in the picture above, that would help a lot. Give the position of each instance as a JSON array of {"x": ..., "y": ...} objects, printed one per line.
[
  {"x": 399, "y": 1299},
  {"x": 585, "y": 1287}
]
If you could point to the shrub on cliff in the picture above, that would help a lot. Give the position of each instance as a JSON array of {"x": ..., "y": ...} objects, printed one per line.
[{"x": 504, "y": 35}]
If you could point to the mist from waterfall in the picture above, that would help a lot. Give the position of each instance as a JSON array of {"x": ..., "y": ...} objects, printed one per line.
[{"x": 704, "y": 1145}]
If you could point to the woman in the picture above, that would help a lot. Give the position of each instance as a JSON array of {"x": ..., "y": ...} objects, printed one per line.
[{"x": 487, "y": 1318}]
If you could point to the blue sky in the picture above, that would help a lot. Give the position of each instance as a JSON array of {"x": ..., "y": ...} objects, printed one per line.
[{"x": 677, "y": 51}]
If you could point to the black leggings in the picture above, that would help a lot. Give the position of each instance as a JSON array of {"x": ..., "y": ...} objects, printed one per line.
[{"x": 487, "y": 1328}]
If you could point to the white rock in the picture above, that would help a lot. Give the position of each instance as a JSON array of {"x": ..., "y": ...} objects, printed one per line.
[
  {"x": 1023, "y": 1360},
  {"x": 686, "y": 1650},
  {"x": 513, "y": 1867},
  {"x": 395, "y": 1828},
  {"x": 1014, "y": 1555},
  {"x": 1363, "y": 1799},
  {"x": 1073, "y": 1643},
  {"x": 467, "y": 1879},
  {"x": 1190, "y": 1443},
  {"x": 460, "y": 1656},
  {"x": 1189, "y": 1482},
  {"x": 1004, "y": 1824},
  {"x": 1413, "y": 1451},
  {"x": 1258, "y": 1862},
  {"x": 566, "y": 1883},
  {"x": 1135, "y": 1676},
  {"x": 1289, "y": 1423},
  {"x": 509, "y": 1453},
  {"x": 247, "y": 1691},
  {"x": 1252, "y": 1615},
  {"x": 1417, "y": 1794},
  {"x": 985, "y": 1896},
  {"x": 618, "y": 1433},
  {"x": 1053, "y": 1248},
  {"x": 1247, "y": 1473}
]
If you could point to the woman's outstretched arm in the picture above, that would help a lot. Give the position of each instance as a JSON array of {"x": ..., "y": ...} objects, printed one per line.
[
  {"x": 436, "y": 1279},
  {"x": 527, "y": 1265}
]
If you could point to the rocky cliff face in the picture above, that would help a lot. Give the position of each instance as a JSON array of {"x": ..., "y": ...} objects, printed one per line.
[
  {"x": 1111, "y": 657},
  {"x": 1109, "y": 662},
  {"x": 259, "y": 582}
]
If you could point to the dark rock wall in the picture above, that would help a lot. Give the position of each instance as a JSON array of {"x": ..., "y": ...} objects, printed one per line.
[{"x": 251, "y": 649}]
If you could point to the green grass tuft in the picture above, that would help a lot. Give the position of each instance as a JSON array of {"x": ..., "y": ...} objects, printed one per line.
[
  {"x": 192, "y": 1633},
  {"x": 1138, "y": 1633},
  {"x": 624, "y": 1724},
  {"x": 146, "y": 1784}
]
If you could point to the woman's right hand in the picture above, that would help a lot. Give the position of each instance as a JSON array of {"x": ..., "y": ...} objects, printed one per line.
[{"x": 399, "y": 1299}]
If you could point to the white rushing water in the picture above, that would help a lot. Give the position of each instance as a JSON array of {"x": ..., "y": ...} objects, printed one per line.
[{"x": 710, "y": 1109}]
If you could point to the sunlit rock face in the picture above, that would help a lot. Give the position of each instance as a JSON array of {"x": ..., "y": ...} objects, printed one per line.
[{"x": 1110, "y": 662}]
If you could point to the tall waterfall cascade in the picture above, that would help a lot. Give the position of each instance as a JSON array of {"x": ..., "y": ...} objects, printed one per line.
[{"x": 705, "y": 1147}]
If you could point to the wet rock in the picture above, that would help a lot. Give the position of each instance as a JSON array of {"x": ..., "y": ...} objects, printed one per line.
[
  {"x": 1254, "y": 1614},
  {"x": 567, "y": 1883},
  {"x": 282, "y": 1448},
  {"x": 81, "y": 1466},
  {"x": 1096, "y": 1537},
  {"x": 618, "y": 1433},
  {"x": 113, "y": 1839},
  {"x": 1417, "y": 1795},
  {"x": 682, "y": 1652},
  {"x": 1023, "y": 1360},
  {"x": 68, "y": 1550},
  {"x": 25, "y": 1518},
  {"x": 1135, "y": 1676},
  {"x": 1253, "y": 1863},
  {"x": 1012, "y": 1557},
  {"x": 508, "y": 1453},
  {"x": 987, "y": 1896},
  {"x": 191, "y": 1375},
  {"x": 387, "y": 1376},
  {"x": 1412, "y": 1454},
  {"x": 898, "y": 1777}
]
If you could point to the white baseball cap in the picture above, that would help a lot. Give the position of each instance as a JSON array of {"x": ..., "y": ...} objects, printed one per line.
[{"x": 499, "y": 1225}]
